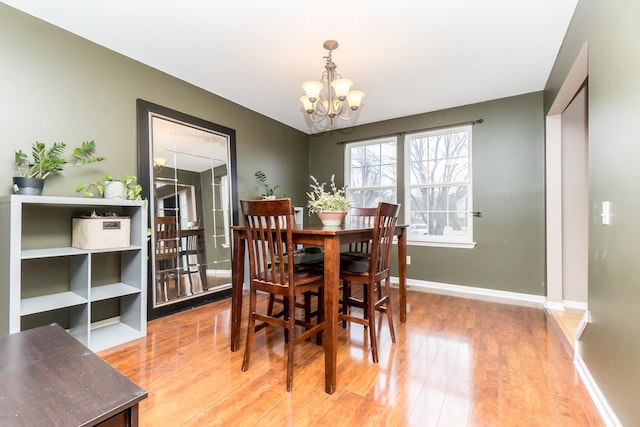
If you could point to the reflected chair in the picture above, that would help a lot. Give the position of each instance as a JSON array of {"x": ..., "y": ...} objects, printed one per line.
[
  {"x": 192, "y": 246},
  {"x": 372, "y": 270},
  {"x": 268, "y": 225},
  {"x": 167, "y": 254}
]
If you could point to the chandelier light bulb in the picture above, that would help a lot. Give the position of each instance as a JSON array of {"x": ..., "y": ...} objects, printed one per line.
[
  {"x": 341, "y": 88},
  {"x": 312, "y": 88},
  {"x": 307, "y": 104},
  {"x": 354, "y": 99}
]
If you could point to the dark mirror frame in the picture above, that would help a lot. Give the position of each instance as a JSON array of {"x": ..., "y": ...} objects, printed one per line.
[{"x": 144, "y": 110}]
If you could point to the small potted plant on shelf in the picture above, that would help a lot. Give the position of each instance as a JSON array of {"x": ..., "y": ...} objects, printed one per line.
[
  {"x": 269, "y": 190},
  {"x": 330, "y": 206},
  {"x": 45, "y": 161},
  {"x": 110, "y": 188}
]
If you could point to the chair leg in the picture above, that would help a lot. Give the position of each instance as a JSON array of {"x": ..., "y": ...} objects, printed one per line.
[
  {"x": 370, "y": 311},
  {"x": 388, "y": 309},
  {"x": 320, "y": 315},
  {"x": 250, "y": 331},
  {"x": 346, "y": 294},
  {"x": 291, "y": 324}
]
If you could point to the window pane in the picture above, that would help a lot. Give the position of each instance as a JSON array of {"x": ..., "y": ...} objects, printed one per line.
[
  {"x": 372, "y": 176},
  {"x": 372, "y": 172},
  {"x": 370, "y": 198},
  {"x": 357, "y": 156},
  {"x": 388, "y": 176}
]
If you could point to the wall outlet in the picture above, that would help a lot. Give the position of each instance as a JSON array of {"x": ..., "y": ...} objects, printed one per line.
[
  {"x": 408, "y": 259},
  {"x": 606, "y": 213}
]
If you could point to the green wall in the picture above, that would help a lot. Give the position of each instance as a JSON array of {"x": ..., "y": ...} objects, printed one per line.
[
  {"x": 508, "y": 188},
  {"x": 56, "y": 86},
  {"x": 610, "y": 346}
]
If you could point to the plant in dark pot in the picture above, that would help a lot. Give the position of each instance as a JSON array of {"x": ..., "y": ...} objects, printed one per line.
[{"x": 47, "y": 160}]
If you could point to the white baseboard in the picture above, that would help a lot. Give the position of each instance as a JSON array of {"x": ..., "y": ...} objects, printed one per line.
[
  {"x": 607, "y": 414},
  {"x": 579, "y": 305},
  {"x": 557, "y": 306},
  {"x": 561, "y": 306},
  {"x": 484, "y": 294}
]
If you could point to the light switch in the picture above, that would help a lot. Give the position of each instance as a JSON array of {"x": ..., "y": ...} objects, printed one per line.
[{"x": 606, "y": 213}]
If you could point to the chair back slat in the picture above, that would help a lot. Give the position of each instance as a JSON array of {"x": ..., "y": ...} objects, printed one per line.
[
  {"x": 362, "y": 217},
  {"x": 382, "y": 241}
]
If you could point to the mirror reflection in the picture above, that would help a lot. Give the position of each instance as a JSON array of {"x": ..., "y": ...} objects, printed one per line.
[{"x": 190, "y": 201}]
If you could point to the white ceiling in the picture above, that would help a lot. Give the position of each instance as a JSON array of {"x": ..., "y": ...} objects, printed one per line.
[{"x": 409, "y": 57}]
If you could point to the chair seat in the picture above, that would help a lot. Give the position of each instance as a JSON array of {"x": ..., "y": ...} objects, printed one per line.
[{"x": 355, "y": 262}]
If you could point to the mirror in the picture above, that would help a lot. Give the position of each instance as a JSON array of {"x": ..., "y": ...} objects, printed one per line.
[{"x": 187, "y": 169}]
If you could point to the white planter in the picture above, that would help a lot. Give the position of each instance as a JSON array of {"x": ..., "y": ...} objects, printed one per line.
[{"x": 114, "y": 190}]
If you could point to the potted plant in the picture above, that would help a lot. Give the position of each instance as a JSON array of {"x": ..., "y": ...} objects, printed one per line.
[
  {"x": 110, "y": 188},
  {"x": 45, "y": 161},
  {"x": 330, "y": 206},
  {"x": 269, "y": 190}
]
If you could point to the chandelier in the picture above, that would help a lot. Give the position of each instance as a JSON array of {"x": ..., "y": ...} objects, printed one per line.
[{"x": 330, "y": 97}]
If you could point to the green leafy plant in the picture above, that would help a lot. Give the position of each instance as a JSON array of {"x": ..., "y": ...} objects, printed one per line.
[
  {"x": 321, "y": 200},
  {"x": 132, "y": 190},
  {"x": 47, "y": 160},
  {"x": 269, "y": 190}
]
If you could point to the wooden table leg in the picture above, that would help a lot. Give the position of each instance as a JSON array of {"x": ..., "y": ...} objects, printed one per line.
[
  {"x": 331, "y": 285},
  {"x": 237, "y": 282},
  {"x": 402, "y": 273}
]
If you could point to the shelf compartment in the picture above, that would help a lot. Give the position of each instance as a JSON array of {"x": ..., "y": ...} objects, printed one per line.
[
  {"x": 115, "y": 290},
  {"x": 50, "y": 302},
  {"x": 110, "y": 335}
]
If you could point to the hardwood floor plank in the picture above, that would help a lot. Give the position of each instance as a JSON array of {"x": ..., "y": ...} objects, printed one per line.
[{"x": 456, "y": 362}]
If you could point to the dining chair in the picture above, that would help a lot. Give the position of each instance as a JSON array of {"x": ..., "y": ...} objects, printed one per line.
[
  {"x": 372, "y": 270},
  {"x": 306, "y": 304},
  {"x": 268, "y": 225},
  {"x": 167, "y": 254},
  {"x": 358, "y": 217}
]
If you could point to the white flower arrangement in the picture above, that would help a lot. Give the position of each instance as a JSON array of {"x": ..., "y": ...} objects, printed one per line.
[{"x": 321, "y": 200}]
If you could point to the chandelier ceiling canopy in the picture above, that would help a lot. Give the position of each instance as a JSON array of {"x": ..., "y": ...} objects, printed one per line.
[{"x": 332, "y": 95}]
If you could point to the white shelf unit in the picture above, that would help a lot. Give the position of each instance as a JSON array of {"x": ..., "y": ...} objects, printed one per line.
[{"x": 45, "y": 278}]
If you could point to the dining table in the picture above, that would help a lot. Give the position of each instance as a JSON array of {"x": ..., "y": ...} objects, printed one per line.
[{"x": 331, "y": 238}]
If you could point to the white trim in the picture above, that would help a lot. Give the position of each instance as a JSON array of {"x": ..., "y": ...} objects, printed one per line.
[
  {"x": 607, "y": 414},
  {"x": 483, "y": 294},
  {"x": 551, "y": 305},
  {"x": 462, "y": 245},
  {"x": 579, "y": 305}
]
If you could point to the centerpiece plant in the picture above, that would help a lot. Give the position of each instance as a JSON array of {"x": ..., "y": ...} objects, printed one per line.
[{"x": 331, "y": 206}]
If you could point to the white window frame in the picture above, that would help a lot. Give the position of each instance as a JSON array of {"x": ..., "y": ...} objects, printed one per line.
[
  {"x": 347, "y": 167},
  {"x": 434, "y": 240}
]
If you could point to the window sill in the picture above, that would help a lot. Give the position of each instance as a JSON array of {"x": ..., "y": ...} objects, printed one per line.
[{"x": 460, "y": 245}]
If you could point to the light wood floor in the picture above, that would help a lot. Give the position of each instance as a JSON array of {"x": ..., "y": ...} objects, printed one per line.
[
  {"x": 457, "y": 362},
  {"x": 568, "y": 321}
]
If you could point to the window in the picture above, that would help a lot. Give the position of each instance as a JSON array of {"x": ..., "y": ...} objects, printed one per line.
[
  {"x": 370, "y": 172},
  {"x": 438, "y": 186}
]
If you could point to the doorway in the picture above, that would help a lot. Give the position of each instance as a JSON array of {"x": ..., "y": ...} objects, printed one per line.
[{"x": 567, "y": 195}]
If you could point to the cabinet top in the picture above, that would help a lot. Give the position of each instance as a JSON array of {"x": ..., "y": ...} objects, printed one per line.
[{"x": 83, "y": 201}]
